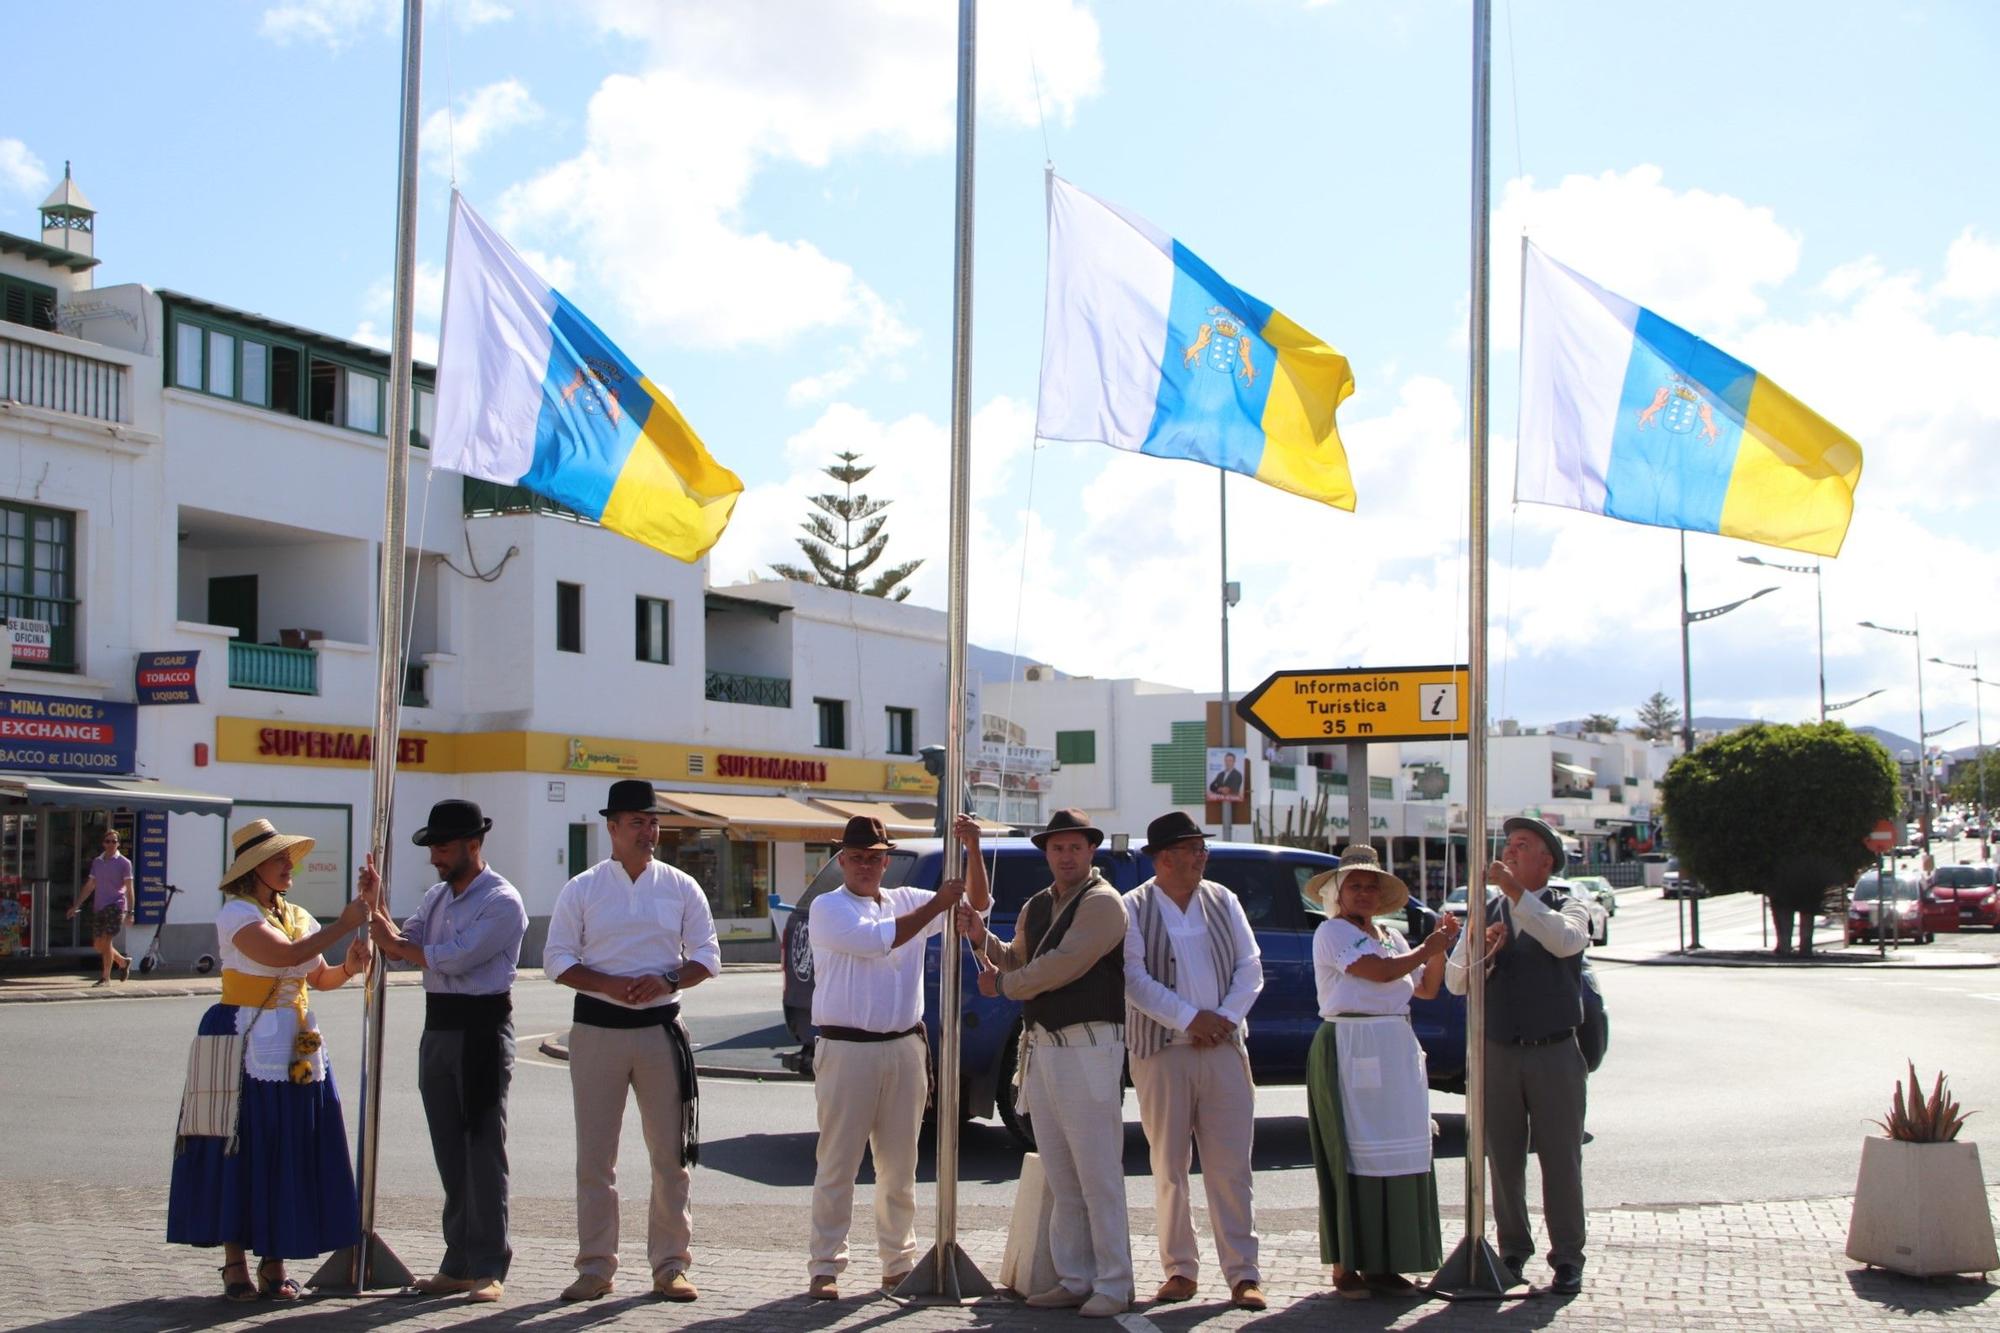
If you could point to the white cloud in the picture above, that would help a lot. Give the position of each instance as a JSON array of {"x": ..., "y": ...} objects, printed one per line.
[
  {"x": 21, "y": 172},
  {"x": 334, "y": 24},
  {"x": 657, "y": 191},
  {"x": 478, "y": 13},
  {"x": 1971, "y": 268},
  {"x": 423, "y": 344},
  {"x": 453, "y": 138}
]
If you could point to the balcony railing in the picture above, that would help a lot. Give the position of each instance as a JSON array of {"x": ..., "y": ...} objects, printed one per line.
[
  {"x": 729, "y": 687},
  {"x": 490, "y": 497},
  {"x": 263, "y": 666},
  {"x": 62, "y": 381}
]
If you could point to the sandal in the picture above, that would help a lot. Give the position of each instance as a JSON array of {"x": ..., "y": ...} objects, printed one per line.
[
  {"x": 1351, "y": 1286},
  {"x": 283, "y": 1289},
  {"x": 237, "y": 1291}
]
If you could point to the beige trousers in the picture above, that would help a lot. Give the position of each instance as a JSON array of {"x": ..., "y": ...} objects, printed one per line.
[
  {"x": 1201, "y": 1097},
  {"x": 871, "y": 1096},
  {"x": 1076, "y": 1098},
  {"x": 603, "y": 1064}
]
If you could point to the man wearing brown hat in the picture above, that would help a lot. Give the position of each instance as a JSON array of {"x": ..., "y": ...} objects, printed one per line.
[
  {"x": 1535, "y": 1070},
  {"x": 1192, "y": 971},
  {"x": 1066, "y": 965},
  {"x": 466, "y": 936},
  {"x": 870, "y": 1074},
  {"x": 630, "y": 934}
]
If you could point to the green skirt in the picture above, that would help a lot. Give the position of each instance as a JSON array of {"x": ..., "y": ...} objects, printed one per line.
[{"x": 1367, "y": 1224}]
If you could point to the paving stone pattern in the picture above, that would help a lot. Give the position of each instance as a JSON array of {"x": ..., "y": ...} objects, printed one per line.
[{"x": 91, "y": 1258}]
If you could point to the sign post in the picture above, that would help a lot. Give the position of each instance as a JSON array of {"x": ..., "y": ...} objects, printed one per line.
[{"x": 1881, "y": 840}]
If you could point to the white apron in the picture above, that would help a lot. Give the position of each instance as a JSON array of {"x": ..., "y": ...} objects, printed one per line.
[{"x": 1384, "y": 1096}]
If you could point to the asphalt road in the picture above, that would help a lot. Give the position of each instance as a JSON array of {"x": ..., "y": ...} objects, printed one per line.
[{"x": 1722, "y": 1085}]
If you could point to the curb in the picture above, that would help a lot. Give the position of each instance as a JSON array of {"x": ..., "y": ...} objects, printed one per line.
[
  {"x": 559, "y": 1050},
  {"x": 1966, "y": 962}
]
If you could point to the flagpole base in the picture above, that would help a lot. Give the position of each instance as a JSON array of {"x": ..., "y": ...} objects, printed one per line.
[
  {"x": 380, "y": 1269},
  {"x": 1474, "y": 1273},
  {"x": 945, "y": 1275}
]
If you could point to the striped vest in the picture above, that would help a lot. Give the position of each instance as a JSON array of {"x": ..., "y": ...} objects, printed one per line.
[{"x": 1143, "y": 1036}]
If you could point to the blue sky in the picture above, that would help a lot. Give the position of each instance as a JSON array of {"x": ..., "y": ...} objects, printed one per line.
[{"x": 755, "y": 200}]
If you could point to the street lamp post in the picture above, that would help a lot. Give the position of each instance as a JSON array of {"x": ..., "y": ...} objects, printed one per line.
[
  {"x": 1916, "y": 633},
  {"x": 1979, "y": 733},
  {"x": 1819, "y": 598},
  {"x": 1849, "y": 703},
  {"x": 1687, "y": 698}
]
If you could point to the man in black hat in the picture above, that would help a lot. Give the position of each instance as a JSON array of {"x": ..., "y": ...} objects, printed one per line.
[
  {"x": 1535, "y": 1071},
  {"x": 870, "y": 1074},
  {"x": 1192, "y": 971},
  {"x": 1066, "y": 965},
  {"x": 630, "y": 934},
  {"x": 466, "y": 936}
]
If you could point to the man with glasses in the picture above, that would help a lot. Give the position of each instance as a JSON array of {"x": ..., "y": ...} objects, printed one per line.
[
  {"x": 466, "y": 936},
  {"x": 630, "y": 934},
  {"x": 1192, "y": 971},
  {"x": 870, "y": 1075}
]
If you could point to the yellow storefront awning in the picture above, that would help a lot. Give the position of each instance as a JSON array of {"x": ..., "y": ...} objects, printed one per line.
[
  {"x": 111, "y": 794},
  {"x": 777, "y": 817},
  {"x": 899, "y": 823}
]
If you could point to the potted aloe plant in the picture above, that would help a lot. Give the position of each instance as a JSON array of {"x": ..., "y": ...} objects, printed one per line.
[{"x": 1920, "y": 1205}]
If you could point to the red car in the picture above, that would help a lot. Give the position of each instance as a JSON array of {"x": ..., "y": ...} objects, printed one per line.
[
  {"x": 1913, "y": 915},
  {"x": 1971, "y": 892}
]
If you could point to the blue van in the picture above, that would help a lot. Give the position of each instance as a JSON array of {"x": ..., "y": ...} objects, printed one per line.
[{"x": 1265, "y": 879}]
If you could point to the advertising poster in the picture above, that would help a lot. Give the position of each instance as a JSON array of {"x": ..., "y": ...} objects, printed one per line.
[
  {"x": 1228, "y": 774},
  {"x": 149, "y": 868},
  {"x": 322, "y": 882}
]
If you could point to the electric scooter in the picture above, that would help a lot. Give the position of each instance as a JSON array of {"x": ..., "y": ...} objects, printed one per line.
[{"x": 151, "y": 959}]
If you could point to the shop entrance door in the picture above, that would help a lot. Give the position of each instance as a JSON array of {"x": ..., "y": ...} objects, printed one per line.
[{"x": 52, "y": 850}]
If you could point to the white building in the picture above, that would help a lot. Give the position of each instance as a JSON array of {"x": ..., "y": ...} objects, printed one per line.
[{"x": 189, "y": 545}]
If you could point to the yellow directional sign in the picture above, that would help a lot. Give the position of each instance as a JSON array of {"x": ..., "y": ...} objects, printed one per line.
[{"x": 1359, "y": 704}]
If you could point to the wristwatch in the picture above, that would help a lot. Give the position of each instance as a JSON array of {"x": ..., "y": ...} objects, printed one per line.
[{"x": 673, "y": 979}]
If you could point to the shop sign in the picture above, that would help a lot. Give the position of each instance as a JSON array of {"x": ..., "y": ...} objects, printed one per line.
[
  {"x": 594, "y": 757},
  {"x": 42, "y": 733},
  {"x": 1016, "y": 758},
  {"x": 31, "y": 639},
  {"x": 909, "y": 778},
  {"x": 770, "y": 768},
  {"x": 165, "y": 678},
  {"x": 149, "y": 869},
  {"x": 251, "y": 740}
]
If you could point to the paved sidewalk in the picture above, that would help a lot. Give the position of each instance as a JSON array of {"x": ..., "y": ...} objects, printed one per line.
[{"x": 91, "y": 1258}]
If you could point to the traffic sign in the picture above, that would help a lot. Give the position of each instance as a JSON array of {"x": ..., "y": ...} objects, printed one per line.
[
  {"x": 1882, "y": 837},
  {"x": 1360, "y": 704}
]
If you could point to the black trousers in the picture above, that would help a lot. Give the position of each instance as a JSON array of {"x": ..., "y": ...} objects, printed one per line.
[{"x": 471, "y": 1152}]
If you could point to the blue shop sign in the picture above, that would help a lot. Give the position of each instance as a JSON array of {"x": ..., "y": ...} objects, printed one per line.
[
  {"x": 166, "y": 678},
  {"x": 45, "y": 733},
  {"x": 150, "y": 868}
]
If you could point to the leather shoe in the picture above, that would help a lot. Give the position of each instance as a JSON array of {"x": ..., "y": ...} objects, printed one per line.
[
  {"x": 587, "y": 1287},
  {"x": 823, "y": 1287},
  {"x": 1568, "y": 1280},
  {"x": 1247, "y": 1295},
  {"x": 1175, "y": 1288},
  {"x": 1515, "y": 1271},
  {"x": 485, "y": 1291},
  {"x": 1057, "y": 1297},
  {"x": 437, "y": 1284},
  {"x": 675, "y": 1287},
  {"x": 1101, "y": 1306}
]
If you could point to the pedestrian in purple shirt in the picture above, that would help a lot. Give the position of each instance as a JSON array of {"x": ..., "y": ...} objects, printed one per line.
[
  {"x": 110, "y": 901},
  {"x": 466, "y": 936}
]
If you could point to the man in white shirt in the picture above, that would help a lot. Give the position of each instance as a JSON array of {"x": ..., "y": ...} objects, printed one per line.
[
  {"x": 1192, "y": 971},
  {"x": 870, "y": 1073},
  {"x": 630, "y": 934}
]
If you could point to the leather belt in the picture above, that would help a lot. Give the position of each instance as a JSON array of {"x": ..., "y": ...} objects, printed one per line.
[{"x": 1553, "y": 1039}]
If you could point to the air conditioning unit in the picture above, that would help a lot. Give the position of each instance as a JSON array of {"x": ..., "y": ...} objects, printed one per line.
[{"x": 1039, "y": 673}]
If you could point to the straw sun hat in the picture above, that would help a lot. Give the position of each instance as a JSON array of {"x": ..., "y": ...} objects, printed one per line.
[
  {"x": 257, "y": 842},
  {"x": 1393, "y": 892}
]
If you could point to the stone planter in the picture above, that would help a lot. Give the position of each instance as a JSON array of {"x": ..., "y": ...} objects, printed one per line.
[{"x": 1920, "y": 1208}]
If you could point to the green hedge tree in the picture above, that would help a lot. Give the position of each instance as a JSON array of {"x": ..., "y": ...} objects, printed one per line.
[{"x": 1781, "y": 811}]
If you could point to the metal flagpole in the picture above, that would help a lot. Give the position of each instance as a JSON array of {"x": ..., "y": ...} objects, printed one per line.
[
  {"x": 1228, "y": 824},
  {"x": 1473, "y": 1271},
  {"x": 947, "y": 1273},
  {"x": 370, "y": 1264}
]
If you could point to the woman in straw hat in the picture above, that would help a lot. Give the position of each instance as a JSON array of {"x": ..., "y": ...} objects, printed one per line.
[
  {"x": 1368, "y": 1101},
  {"x": 269, "y": 1171}
]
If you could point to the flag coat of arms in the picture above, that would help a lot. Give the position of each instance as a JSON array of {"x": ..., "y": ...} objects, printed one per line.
[
  {"x": 531, "y": 393},
  {"x": 1626, "y": 415},
  {"x": 1148, "y": 349}
]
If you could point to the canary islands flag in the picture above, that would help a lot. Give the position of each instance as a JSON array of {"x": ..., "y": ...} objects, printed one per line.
[
  {"x": 1146, "y": 348},
  {"x": 1626, "y": 415},
  {"x": 531, "y": 393}
]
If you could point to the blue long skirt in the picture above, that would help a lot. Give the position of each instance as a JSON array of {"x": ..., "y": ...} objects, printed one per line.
[{"x": 287, "y": 1192}]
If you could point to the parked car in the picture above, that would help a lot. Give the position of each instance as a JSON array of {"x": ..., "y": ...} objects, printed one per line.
[
  {"x": 1971, "y": 892},
  {"x": 1265, "y": 879},
  {"x": 1910, "y": 913},
  {"x": 1678, "y": 885},
  {"x": 1599, "y": 888}
]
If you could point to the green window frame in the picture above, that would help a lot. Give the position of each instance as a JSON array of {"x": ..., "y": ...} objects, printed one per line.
[
  {"x": 1076, "y": 747},
  {"x": 38, "y": 576},
  {"x": 28, "y": 303},
  {"x": 652, "y": 630},
  {"x": 221, "y": 358}
]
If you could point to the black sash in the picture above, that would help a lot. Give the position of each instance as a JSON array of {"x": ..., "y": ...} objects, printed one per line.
[
  {"x": 593, "y": 1012},
  {"x": 835, "y": 1033},
  {"x": 480, "y": 1018}
]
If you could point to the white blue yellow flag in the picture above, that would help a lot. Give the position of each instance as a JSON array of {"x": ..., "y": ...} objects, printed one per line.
[
  {"x": 531, "y": 393},
  {"x": 1626, "y": 415},
  {"x": 1146, "y": 348}
]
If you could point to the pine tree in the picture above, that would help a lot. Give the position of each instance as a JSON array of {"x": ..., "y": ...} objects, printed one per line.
[
  {"x": 1605, "y": 723},
  {"x": 1659, "y": 720},
  {"x": 836, "y": 553}
]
